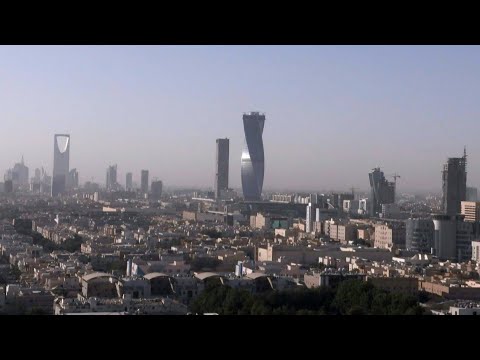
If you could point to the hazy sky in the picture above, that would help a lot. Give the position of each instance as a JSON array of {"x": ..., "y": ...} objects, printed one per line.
[{"x": 332, "y": 112}]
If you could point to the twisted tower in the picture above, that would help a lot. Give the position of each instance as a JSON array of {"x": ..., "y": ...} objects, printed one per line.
[{"x": 253, "y": 161}]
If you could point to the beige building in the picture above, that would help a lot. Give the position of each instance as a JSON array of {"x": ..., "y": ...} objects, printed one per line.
[
  {"x": 471, "y": 210},
  {"x": 346, "y": 233},
  {"x": 388, "y": 236},
  {"x": 366, "y": 233},
  {"x": 329, "y": 279},
  {"x": 340, "y": 232},
  {"x": 450, "y": 292},
  {"x": 259, "y": 221},
  {"x": 476, "y": 251},
  {"x": 284, "y": 232},
  {"x": 294, "y": 254}
]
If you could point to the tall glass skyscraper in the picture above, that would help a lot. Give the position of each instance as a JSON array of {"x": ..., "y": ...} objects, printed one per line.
[
  {"x": 129, "y": 182},
  {"x": 61, "y": 163},
  {"x": 221, "y": 166},
  {"x": 144, "y": 181},
  {"x": 111, "y": 182},
  {"x": 253, "y": 161}
]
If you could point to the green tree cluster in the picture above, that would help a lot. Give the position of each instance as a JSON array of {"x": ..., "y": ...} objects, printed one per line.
[{"x": 351, "y": 297}]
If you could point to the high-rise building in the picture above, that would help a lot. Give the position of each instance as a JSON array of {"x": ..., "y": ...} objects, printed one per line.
[
  {"x": 129, "y": 182},
  {"x": 253, "y": 161},
  {"x": 20, "y": 175},
  {"x": 309, "y": 219},
  {"x": 61, "y": 163},
  {"x": 72, "y": 182},
  {"x": 221, "y": 166},
  {"x": 364, "y": 206},
  {"x": 382, "y": 191},
  {"x": 472, "y": 194},
  {"x": 444, "y": 240},
  {"x": 420, "y": 235},
  {"x": 111, "y": 182},
  {"x": 36, "y": 181},
  {"x": 466, "y": 232},
  {"x": 454, "y": 187},
  {"x": 471, "y": 210},
  {"x": 144, "y": 181},
  {"x": 156, "y": 190},
  {"x": 8, "y": 186}
]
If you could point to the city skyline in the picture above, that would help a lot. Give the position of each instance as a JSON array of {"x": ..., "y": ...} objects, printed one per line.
[{"x": 371, "y": 100}]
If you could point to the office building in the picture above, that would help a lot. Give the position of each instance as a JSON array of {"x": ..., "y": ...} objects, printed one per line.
[
  {"x": 336, "y": 200},
  {"x": 221, "y": 166},
  {"x": 350, "y": 206},
  {"x": 20, "y": 175},
  {"x": 156, "y": 190},
  {"x": 444, "y": 237},
  {"x": 253, "y": 161},
  {"x": 38, "y": 175},
  {"x": 471, "y": 210},
  {"x": 111, "y": 181},
  {"x": 72, "y": 182},
  {"x": 464, "y": 236},
  {"x": 382, "y": 191},
  {"x": 144, "y": 182},
  {"x": 364, "y": 206},
  {"x": 420, "y": 235},
  {"x": 309, "y": 219},
  {"x": 61, "y": 163},
  {"x": 8, "y": 186},
  {"x": 129, "y": 182},
  {"x": 454, "y": 185}
]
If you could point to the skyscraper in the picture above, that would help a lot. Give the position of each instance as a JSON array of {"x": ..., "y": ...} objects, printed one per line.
[
  {"x": 111, "y": 182},
  {"x": 382, "y": 191},
  {"x": 37, "y": 175},
  {"x": 61, "y": 163},
  {"x": 420, "y": 234},
  {"x": 129, "y": 182},
  {"x": 454, "y": 177},
  {"x": 144, "y": 181},
  {"x": 72, "y": 182},
  {"x": 253, "y": 161},
  {"x": 20, "y": 174},
  {"x": 309, "y": 219},
  {"x": 156, "y": 188},
  {"x": 221, "y": 166}
]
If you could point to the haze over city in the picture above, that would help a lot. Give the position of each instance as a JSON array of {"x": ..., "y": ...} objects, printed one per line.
[{"x": 332, "y": 112}]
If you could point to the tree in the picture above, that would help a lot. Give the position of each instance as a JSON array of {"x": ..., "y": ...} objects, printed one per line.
[{"x": 353, "y": 293}]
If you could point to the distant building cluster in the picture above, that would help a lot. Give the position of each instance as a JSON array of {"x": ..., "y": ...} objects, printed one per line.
[{"x": 140, "y": 248}]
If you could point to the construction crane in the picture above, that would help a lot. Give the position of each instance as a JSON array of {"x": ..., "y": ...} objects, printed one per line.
[{"x": 395, "y": 176}]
